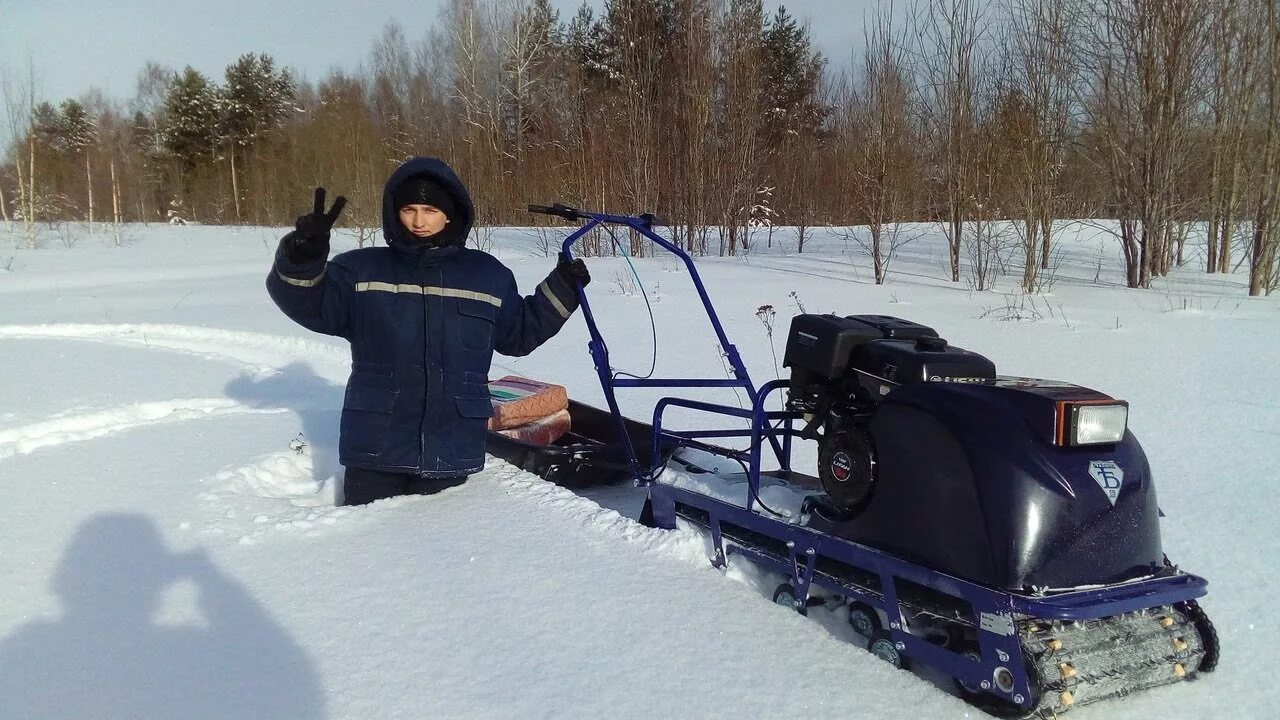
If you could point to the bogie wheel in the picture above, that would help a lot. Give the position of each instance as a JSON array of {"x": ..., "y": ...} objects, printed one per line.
[
  {"x": 785, "y": 595},
  {"x": 882, "y": 646},
  {"x": 970, "y": 691},
  {"x": 864, "y": 619}
]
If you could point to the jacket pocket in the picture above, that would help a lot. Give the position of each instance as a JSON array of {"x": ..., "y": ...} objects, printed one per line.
[
  {"x": 366, "y": 412},
  {"x": 471, "y": 430},
  {"x": 475, "y": 407},
  {"x": 475, "y": 325}
]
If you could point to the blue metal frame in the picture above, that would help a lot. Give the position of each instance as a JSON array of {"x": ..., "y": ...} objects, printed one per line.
[
  {"x": 799, "y": 551},
  {"x": 609, "y": 382}
]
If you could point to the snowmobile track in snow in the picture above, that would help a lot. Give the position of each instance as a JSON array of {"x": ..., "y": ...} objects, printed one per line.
[
  {"x": 87, "y": 426},
  {"x": 258, "y": 353},
  {"x": 255, "y": 350}
]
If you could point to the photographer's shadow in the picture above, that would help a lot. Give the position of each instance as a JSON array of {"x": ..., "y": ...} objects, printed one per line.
[
  {"x": 316, "y": 401},
  {"x": 107, "y": 657}
]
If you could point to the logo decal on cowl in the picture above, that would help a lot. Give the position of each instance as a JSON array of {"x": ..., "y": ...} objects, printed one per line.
[{"x": 1109, "y": 476}]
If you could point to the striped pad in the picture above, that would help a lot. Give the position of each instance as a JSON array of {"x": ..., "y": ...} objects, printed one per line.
[
  {"x": 518, "y": 401},
  {"x": 542, "y": 432}
]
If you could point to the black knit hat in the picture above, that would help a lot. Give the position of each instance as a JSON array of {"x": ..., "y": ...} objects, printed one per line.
[{"x": 422, "y": 191}]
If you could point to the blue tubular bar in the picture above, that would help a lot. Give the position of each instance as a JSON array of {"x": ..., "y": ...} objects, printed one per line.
[
  {"x": 759, "y": 427},
  {"x": 694, "y": 434},
  {"x": 600, "y": 352},
  {"x": 676, "y": 382},
  {"x": 759, "y": 421},
  {"x": 659, "y": 434},
  {"x": 1117, "y": 599},
  {"x": 697, "y": 405}
]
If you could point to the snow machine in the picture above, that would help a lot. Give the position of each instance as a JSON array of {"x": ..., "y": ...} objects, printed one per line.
[{"x": 1002, "y": 532}]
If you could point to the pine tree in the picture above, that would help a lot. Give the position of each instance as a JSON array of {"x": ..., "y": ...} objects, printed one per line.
[
  {"x": 255, "y": 100},
  {"x": 79, "y": 130},
  {"x": 44, "y": 138},
  {"x": 794, "y": 112},
  {"x": 585, "y": 41},
  {"x": 189, "y": 132},
  {"x": 47, "y": 126},
  {"x": 792, "y": 73},
  {"x": 79, "y": 135},
  {"x": 190, "y": 128},
  {"x": 636, "y": 37}
]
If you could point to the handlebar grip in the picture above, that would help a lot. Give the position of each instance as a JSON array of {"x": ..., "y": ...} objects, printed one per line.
[
  {"x": 559, "y": 210},
  {"x": 566, "y": 212}
]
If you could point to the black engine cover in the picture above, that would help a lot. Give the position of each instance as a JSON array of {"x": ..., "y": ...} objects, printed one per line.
[
  {"x": 826, "y": 349},
  {"x": 819, "y": 346},
  {"x": 968, "y": 482},
  {"x": 925, "y": 360}
]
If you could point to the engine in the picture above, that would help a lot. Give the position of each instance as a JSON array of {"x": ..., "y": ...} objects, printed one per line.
[{"x": 840, "y": 369}]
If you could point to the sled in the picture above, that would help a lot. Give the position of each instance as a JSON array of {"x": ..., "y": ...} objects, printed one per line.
[{"x": 590, "y": 454}]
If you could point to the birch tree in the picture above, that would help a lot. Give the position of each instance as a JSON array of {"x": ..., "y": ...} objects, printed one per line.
[
  {"x": 1236, "y": 34},
  {"x": 950, "y": 37},
  {"x": 877, "y": 122},
  {"x": 1042, "y": 73},
  {"x": 1265, "y": 246}
]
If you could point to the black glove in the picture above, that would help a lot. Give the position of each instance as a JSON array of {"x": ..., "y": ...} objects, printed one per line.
[
  {"x": 310, "y": 239},
  {"x": 573, "y": 270}
]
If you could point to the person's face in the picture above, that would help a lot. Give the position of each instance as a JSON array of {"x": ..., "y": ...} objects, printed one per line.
[{"x": 422, "y": 220}]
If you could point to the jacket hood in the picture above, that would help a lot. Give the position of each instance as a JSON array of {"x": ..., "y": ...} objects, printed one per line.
[{"x": 438, "y": 171}]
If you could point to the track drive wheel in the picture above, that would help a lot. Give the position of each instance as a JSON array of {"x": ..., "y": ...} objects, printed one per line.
[
  {"x": 785, "y": 595},
  {"x": 1208, "y": 635},
  {"x": 999, "y": 706},
  {"x": 883, "y": 646}
]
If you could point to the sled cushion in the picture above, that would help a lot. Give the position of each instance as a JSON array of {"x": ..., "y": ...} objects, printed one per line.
[
  {"x": 519, "y": 401},
  {"x": 541, "y": 432}
]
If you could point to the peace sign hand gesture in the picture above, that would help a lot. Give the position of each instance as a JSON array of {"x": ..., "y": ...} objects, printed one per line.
[{"x": 311, "y": 232}]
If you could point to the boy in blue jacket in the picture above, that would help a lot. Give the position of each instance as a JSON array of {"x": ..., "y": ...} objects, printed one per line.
[{"x": 424, "y": 316}]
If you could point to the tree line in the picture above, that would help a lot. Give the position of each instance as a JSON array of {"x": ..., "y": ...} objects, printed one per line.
[{"x": 994, "y": 119}]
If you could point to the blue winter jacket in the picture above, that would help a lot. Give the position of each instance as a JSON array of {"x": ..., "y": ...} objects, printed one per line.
[{"x": 423, "y": 324}]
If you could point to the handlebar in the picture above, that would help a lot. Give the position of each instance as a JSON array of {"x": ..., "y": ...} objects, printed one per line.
[
  {"x": 574, "y": 214},
  {"x": 559, "y": 210}
]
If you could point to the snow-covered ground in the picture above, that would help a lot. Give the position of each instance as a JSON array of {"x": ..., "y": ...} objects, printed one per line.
[{"x": 169, "y": 545}]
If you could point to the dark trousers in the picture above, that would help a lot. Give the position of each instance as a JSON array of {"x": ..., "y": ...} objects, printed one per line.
[{"x": 360, "y": 487}]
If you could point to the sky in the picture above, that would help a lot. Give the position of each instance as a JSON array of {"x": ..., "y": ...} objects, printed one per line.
[{"x": 77, "y": 44}]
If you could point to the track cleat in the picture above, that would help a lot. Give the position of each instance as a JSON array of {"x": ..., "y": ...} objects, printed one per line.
[
  {"x": 1179, "y": 670},
  {"x": 1167, "y": 621},
  {"x": 1066, "y": 698},
  {"x": 1067, "y": 670},
  {"x": 1179, "y": 644},
  {"x": 1054, "y": 644}
]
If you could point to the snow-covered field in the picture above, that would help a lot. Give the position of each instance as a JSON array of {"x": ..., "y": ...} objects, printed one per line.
[{"x": 169, "y": 545}]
